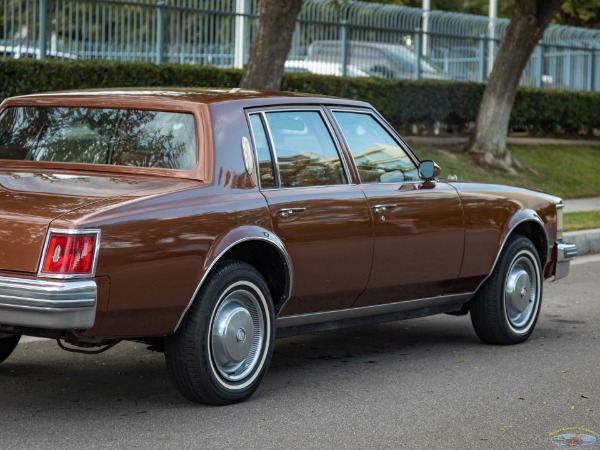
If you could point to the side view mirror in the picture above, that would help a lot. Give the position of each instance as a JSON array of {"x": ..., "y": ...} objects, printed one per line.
[{"x": 428, "y": 170}]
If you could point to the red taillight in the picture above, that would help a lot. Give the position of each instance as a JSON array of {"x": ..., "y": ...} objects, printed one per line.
[{"x": 70, "y": 254}]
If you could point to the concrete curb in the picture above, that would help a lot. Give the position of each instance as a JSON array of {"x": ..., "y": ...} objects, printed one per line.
[{"x": 587, "y": 241}]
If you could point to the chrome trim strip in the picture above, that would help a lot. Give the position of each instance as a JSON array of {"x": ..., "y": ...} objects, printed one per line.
[
  {"x": 69, "y": 231},
  {"x": 566, "y": 252},
  {"x": 269, "y": 237},
  {"x": 366, "y": 311},
  {"x": 47, "y": 303}
]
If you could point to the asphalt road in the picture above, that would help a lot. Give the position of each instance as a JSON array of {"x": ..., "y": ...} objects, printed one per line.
[{"x": 426, "y": 383}]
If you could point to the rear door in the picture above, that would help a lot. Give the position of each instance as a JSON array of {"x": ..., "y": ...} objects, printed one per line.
[
  {"x": 323, "y": 220},
  {"x": 418, "y": 227}
]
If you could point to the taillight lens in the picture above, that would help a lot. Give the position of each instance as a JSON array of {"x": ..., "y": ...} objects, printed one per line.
[{"x": 70, "y": 254}]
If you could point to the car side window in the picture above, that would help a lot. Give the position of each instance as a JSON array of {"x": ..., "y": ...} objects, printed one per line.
[
  {"x": 377, "y": 155},
  {"x": 305, "y": 150},
  {"x": 263, "y": 153}
]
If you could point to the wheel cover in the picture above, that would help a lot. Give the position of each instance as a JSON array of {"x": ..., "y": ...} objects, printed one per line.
[
  {"x": 237, "y": 335},
  {"x": 521, "y": 292}
]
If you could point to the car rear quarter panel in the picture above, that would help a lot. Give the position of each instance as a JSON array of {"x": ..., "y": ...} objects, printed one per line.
[
  {"x": 155, "y": 252},
  {"x": 492, "y": 213},
  {"x": 156, "y": 249}
]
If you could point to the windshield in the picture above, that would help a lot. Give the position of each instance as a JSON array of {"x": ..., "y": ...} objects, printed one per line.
[{"x": 121, "y": 137}]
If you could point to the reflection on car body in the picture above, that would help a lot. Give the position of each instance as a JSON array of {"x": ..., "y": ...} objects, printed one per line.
[{"x": 207, "y": 222}]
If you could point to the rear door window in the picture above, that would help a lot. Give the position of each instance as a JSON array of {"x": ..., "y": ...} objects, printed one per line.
[{"x": 305, "y": 151}]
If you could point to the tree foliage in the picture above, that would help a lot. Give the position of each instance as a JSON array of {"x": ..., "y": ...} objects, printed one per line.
[{"x": 579, "y": 13}]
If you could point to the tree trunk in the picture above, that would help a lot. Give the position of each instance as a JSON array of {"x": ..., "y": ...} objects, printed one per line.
[
  {"x": 529, "y": 20},
  {"x": 271, "y": 44}
]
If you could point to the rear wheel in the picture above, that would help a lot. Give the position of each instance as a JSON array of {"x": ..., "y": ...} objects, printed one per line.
[
  {"x": 8, "y": 342},
  {"x": 506, "y": 307},
  {"x": 223, "y": 347}
]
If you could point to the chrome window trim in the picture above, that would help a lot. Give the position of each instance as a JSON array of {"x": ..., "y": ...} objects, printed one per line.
[
  {"x": 274, "y": 166},
  {"x": 92, "y": 273},
  {"x": 268, "y": 237},
  {"x": 332, "y": 134}
]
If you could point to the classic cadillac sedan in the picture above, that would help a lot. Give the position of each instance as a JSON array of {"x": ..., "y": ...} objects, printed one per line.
[{"x": 208, "y": 222}]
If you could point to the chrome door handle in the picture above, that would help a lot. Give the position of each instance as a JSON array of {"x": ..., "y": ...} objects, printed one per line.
[
  {"x": 287, "y": 212},
  {"x": 377, "y": 209}
]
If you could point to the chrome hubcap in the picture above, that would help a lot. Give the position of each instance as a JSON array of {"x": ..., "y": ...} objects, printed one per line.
[
  {"x": 521, "y": 292},
  {"x": 237, "y": 335}
]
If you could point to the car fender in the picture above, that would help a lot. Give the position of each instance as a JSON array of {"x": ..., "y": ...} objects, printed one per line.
[
  {"x": 223, "y": 244},
  {"x": 519, "y": 218}
]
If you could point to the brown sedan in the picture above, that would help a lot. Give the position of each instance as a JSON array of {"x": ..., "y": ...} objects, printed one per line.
[{"x": 207, "y": 222}]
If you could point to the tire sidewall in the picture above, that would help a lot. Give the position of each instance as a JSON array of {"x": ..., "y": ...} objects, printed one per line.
[
  {"x": 226, "y": 277},
  {"x": 8, "y": 343},
  {"x": 519, "y": 247}
]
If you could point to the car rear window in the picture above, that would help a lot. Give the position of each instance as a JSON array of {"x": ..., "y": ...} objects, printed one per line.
[{"x": 122, "y": 137}]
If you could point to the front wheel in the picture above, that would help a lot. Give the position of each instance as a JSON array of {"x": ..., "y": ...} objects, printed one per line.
[
  {"x": 8, "y": 342},
  {"x": 506, "y": 307},
  {"x": 223, "y": 347}
]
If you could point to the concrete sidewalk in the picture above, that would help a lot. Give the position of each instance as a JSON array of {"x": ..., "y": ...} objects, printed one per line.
[
  {"x": 582, "y": 204},
  {"x": 587, "y": 241}
]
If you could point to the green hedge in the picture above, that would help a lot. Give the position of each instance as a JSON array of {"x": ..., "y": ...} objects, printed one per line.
[{"x": 403, "y": 102}]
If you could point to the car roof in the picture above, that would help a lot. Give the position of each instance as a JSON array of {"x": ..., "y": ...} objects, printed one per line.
[{"x": 248, "y": 98}]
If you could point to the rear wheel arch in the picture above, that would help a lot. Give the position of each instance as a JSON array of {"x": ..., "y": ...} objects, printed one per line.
[
  {"x": 259, "y": 248},
  {"x": 269, "y": 261}
]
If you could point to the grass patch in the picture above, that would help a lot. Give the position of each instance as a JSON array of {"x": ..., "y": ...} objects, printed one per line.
[
  {"x": 576, "y": 221},
  {"x": 569, "y": 172}
]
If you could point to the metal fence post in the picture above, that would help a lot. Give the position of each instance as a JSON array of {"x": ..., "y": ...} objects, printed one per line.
[
  {"x": 590, "y": 72},
  {"x": 540, "y": 65},
  {"x": 43, "y": 40},
  {"x": 594, "y": 72},
  {"x": 417, "y": 68},
  {"x": 242, "y": 33},
  {"x": 344, "y": 49},
  {"x": 160, "y": 32},
  {"x": 482, "y": 58}
]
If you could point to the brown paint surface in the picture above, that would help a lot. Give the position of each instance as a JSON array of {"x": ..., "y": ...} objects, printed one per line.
[{"x": 162, "y": 229}]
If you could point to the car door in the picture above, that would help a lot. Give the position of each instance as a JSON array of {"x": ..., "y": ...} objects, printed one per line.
[
  {"x": 418, "y": 226},
  {"x": 323, "y": 220}
]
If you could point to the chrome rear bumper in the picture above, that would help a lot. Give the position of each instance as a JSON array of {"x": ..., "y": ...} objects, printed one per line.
[
  {"x": 68, "y": 304},
  {"x": 564, "y": 254}
]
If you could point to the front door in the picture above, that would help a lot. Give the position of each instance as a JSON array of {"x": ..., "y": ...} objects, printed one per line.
[{"x": 418, "y": 227}]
